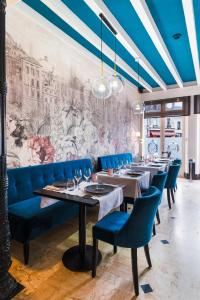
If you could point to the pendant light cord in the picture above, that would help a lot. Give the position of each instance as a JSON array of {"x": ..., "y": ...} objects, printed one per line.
[
  {"x": 101, "y": 48},
  {"x": 138, "y": 74},
  {"x": 115, "y": 60},
  {"x": 138, "y": 71}
]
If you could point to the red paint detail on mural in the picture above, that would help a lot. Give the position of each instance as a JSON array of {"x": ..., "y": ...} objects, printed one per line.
[{"x": 41, "y": 149}]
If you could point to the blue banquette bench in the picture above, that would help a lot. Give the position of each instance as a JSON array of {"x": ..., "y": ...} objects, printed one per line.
[
  {"x": 27, "y": 218},
  {"x": 112, "y": 161}
]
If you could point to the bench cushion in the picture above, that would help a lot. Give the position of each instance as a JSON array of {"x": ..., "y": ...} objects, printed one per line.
[
  {"x": 23, "y": 181},
  {"x": 28, "y": 220},
  {"x": 112, "y": 161}
]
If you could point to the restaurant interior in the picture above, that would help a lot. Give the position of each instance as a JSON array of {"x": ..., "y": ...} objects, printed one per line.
[{"x": 99, "y": 149}]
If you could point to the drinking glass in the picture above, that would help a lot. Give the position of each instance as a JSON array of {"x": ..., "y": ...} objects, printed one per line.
[
  {"x": 70, "y": 184},
  {"x": 119, "y": 166},
  {"x": 87, "y": 174},
  {"x": 126, "y": 164},
  {"x": 78, "y": 176}
]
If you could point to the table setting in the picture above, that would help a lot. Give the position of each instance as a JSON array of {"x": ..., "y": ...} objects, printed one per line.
[
  {"x": 153, "y": 167},
  {"x": 109, "y": 196},
  {"x": 84, "y": 194},
  {"x": 132, "y": 180}
]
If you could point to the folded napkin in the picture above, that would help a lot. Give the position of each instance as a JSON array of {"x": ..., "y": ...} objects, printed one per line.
[{"x": 52, "y": 188}]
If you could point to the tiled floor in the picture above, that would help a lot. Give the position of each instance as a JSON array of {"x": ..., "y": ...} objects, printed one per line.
[{"x": 176, "y": 264}]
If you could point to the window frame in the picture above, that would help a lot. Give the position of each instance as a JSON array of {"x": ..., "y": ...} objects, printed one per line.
[{"x": 185, "y": 111}]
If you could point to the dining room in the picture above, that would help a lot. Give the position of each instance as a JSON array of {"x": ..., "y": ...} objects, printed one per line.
[{"x": 99, "y": 149}]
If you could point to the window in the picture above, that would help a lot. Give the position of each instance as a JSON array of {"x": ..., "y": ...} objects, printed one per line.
[
  {"x": 174, "y": 106},
  {"x": 153, "y": 108},
  {"x": 167, "y": 107}
]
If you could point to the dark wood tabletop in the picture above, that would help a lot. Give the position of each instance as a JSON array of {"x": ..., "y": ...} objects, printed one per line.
[{"x": 87, "y": 199}]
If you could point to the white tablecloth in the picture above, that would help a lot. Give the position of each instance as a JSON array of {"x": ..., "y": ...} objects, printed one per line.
[
  {"x": 106, "y": 202},
  {"x": 152, "y": 169},
  {"x": 132, "y": 185}
]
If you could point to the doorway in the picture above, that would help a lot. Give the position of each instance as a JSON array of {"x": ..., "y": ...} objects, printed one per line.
[{"x": 163, "y": 136}]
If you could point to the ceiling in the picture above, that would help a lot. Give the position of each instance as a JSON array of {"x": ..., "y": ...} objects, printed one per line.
[{"x": 162, "y": 34}]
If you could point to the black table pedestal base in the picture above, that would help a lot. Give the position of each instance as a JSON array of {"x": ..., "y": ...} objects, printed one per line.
[{"x": 75, "y": 262}]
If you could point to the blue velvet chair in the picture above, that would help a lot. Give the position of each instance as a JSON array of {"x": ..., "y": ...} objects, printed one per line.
[
  {"x": 129, "y": 230},
  {"x": 179, "y": 162},
  {"x": 159, "y": 181},
  {"x": 170, "y": 184}
]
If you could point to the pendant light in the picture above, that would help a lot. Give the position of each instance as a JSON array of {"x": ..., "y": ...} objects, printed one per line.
[
  {"x": 101, "y": 88},
  {"x": 116, "y": 81}
]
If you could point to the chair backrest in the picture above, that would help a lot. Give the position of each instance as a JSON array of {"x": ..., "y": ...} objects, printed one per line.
[
  {"x": 138, "y": 230},
  {"x": 159, "y": 181},
  {"x": 23, "y": 181},
  {"x": 168, "y": 153},
  {"x": 172, "y": 175},
  {"x": 112, "y": 161},
  {"x": 177, "y": 161}
]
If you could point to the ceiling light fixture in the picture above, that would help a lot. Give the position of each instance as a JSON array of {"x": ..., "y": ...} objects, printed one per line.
[
  {"x": 101, "y": 88},
  {"x": 116, "y": 81}
]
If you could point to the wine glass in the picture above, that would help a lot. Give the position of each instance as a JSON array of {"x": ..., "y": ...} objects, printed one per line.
[
  {"x": 78, "y": 176},
  {"x": 126, "y": 164},
  {"x": 87, "y": 174}
]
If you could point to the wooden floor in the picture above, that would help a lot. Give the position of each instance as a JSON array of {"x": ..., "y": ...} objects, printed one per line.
[{"x": 176, "y": 266}]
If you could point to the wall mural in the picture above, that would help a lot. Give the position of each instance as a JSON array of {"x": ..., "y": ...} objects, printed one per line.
[{"x": 53, "y": 117}]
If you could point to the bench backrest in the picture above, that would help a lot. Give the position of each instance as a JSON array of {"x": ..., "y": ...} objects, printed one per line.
[
  {"x": 112, "y": 161},
  {"x": 23, "y": 181}
]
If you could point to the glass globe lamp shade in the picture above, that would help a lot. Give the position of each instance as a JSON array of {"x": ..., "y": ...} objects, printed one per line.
[
  {"x": 117, "y": 84},
  {"x": 101, "y": 88}
]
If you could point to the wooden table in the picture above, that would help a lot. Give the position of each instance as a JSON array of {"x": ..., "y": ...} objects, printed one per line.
[
  {"x": 153, "y": 168},
  {"x": 79, "y": 257}
]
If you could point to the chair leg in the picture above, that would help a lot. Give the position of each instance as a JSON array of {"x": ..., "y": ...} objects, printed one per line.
[
  {"x": 135, "y": 270},
  {"x": 115, "y": 249},
  {"x": 94, "y": 257},
  {"x": 26, "y": 249},
  {"x": 172, "y": 194},
  {"x": 125, "y": 207},
  {"x": 158, "y": 216},
  {"x": 168, "y": 198},
  {"x": 154, "y": 229},
  {"x": 122, "y": 207},
  {"x": 147, "y": 254}
]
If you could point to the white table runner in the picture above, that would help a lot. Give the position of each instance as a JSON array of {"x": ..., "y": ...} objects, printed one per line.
[{"x": 107, "y": 202}]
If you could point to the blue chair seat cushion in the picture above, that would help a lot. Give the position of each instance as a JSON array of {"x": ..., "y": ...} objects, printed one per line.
[
  {"x": 108, "y": 227},
  {"x": 28, "y": 219}
]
